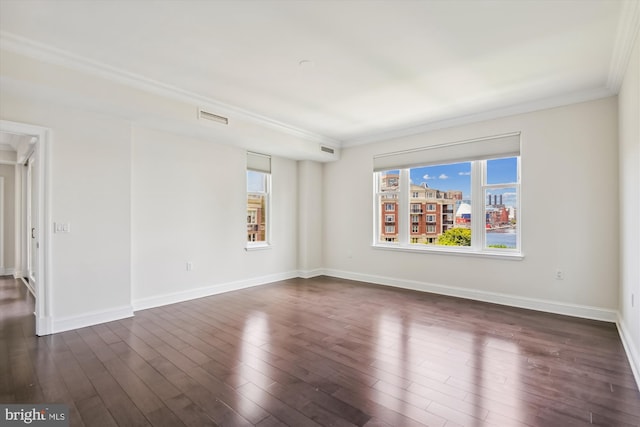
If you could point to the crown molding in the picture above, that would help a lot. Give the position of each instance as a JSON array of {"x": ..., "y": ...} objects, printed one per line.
[
  {"x": 522, "y": 108},
  {"x": 628, "y": 27},
  {"x": 49, "y": 54}
]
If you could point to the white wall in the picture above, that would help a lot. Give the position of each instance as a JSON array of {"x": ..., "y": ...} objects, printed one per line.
[
  {"x": 8, "y": 172},
  {"x": 90, "y": 190},
  {"x": 94, "y": 149},
  {"x": 569, "y": 216},
  {"x": 189, "y": 205},
  {"x": 629, "y": 113},
  {"x": 310, "y": 228}
]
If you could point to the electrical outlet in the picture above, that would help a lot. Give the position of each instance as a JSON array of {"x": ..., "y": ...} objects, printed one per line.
[
  {"x": 633, "y": 302},
  {"x": 559, "y": 274},
  {"x": 189, "y": 266}
]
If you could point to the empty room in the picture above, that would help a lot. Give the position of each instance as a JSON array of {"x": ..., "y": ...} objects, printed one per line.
[{"x": 319, "y": 213}]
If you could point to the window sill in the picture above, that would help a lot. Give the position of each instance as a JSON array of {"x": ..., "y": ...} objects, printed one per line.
[
  {"x": 448, "y": 250},
  {"x": 257, "y": 247}
]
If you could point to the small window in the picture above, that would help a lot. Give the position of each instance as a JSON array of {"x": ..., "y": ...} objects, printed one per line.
[{"x": 258, "y": 199}]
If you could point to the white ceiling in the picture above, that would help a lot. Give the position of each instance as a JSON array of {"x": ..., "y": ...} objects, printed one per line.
[{"x": 377, "y": 66}]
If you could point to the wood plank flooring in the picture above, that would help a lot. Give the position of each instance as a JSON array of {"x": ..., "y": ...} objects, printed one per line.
[{"x": 321, "y": 352}]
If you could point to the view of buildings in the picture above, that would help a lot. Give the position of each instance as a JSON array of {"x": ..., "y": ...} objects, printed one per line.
[
  {"x": 432, "y": 212},
  {"x": 255, "y": 218}
]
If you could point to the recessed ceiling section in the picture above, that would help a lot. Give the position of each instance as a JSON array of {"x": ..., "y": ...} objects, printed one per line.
[{"x": 346, "y": 70}]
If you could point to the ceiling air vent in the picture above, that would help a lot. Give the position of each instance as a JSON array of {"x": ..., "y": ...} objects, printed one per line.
[
  {"x": 212, "y": 117},
  {"x": 327, "y": 149}
]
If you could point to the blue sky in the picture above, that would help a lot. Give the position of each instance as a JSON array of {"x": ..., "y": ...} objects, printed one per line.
[
  {"x": 457, "y": 176},
  {"x": 255, "y": 181}
]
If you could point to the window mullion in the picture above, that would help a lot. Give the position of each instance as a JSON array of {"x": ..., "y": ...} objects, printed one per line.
[
  {"x": 477, "y": 204},
  {"x": 402, "y": 219}
]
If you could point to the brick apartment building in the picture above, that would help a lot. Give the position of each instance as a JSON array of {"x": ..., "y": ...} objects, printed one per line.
[{"x": 431, "y": 211}]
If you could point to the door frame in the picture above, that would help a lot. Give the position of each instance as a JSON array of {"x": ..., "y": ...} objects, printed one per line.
[{"x": 41, "y": 142}]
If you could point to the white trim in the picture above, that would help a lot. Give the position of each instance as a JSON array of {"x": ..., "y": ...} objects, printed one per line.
[
  {"x": 52, "y": 55},
  {"x": 7, "y": 271},
  {"x": 19, "y": 274},
  {"x": 628, "y": 27},
  {"x": 308, "y": 274},
  {"x": 257, "y": 246},
  {"x": 548, "y": 306},
  {"x": 630, "y": 349},
  {"x": 208, "y": 290},
  {"x": 29, "y": 286},
  {"x": 91, "y": 318}
]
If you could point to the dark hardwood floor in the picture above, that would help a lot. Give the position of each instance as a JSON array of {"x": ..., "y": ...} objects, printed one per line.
[{"x": 323, "y": 352}]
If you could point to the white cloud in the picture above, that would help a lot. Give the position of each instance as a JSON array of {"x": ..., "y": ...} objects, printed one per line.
[
  {"x": 443, "y": 176},
  {"x": 464, "y": 173},
  {"x": 427, "y": 176}
]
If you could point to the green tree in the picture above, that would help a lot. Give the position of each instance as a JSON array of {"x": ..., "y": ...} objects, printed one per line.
[{"x": 455, "y": 237}]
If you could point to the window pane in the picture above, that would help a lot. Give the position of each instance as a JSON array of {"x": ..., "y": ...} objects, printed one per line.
[
  {"x": 256, "y": 206},
  {"x": 501, "y": 218},
  {"x": 436, "y": 193},
  {"x": 389, "y": 180},
  {"x": 502, "y": 171},
  {"x": 256, "y": 227},
  {"x": 256, "y": 182},
  {"x": 388, "y": 203}
]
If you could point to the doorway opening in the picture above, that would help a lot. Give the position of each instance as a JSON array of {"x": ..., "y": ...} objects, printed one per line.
[{"x": 32, "y": 230}]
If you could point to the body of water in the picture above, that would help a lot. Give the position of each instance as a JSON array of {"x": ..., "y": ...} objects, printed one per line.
[{"x": 502, "y": 237}]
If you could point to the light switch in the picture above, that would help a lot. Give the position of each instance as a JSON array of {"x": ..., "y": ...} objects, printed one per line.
[{"x": 59, "y": 227}]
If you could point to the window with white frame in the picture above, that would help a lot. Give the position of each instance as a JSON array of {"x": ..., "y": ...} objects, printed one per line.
[
  {"x": 476, "y": 185},
  {"x": 258, "y": 199}
]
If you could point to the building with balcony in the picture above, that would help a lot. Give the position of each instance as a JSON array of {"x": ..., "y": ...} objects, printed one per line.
[{"x": 431, "y": 211}]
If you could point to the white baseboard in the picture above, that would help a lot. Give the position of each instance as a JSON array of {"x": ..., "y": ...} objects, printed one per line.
[
  {"x": 575, "y": 310},
  {"x": 45, "y": 326},
  {"x": 7, "y": 271},
  {"x": 19, "y": 274},
  {"x": 308, "y": 274},
  {"x": 205, "y": 291},
  {"x": 29, "y": 286},
  {"x": 630, "y": 348},
  {"x": 89, "y": 319}
]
